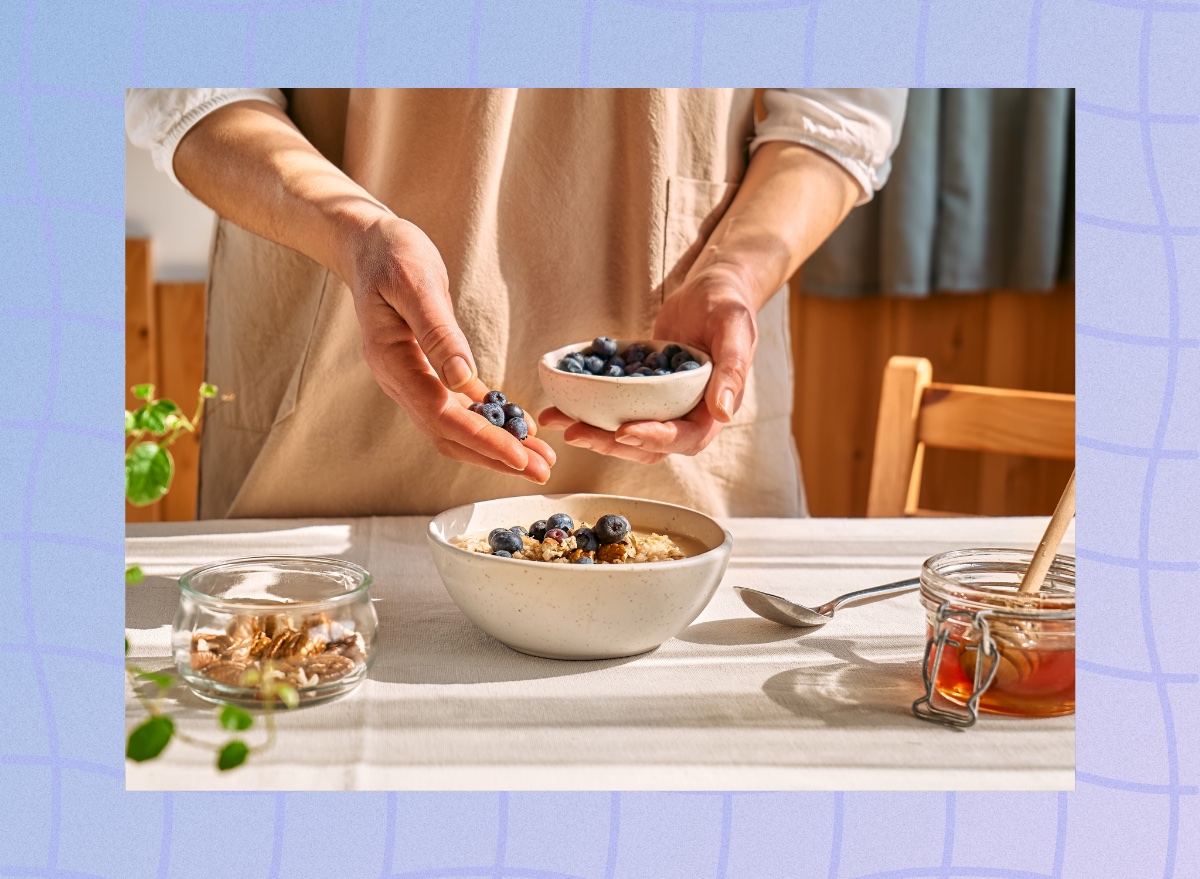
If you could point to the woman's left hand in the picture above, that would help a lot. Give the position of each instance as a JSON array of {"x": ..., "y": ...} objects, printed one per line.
[{"x": 713, "y": 310}]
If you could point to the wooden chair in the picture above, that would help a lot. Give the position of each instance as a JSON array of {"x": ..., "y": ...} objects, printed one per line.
[{"x": 914, "y": 412}]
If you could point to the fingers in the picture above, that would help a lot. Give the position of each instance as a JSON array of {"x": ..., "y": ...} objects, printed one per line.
[
  {"x": 538, "y": 469},
  {"x": 689, "y": 435},
  {"x": 585, "y": 436},
  {"x": 732, "y": 352},
  {"x": 555, "y": 418},
  {"x": 401, "y": 370}
]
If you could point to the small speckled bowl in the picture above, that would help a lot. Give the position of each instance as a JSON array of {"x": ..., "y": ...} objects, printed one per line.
[
  {"x": 608, "y": 403},
  {"x": 566, "y": 611}
]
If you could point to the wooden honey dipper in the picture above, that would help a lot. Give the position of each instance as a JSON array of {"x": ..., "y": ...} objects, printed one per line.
[{"x": 1039, "y": 565}]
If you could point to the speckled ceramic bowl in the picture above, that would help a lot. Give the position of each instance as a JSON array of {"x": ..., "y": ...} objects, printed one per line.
[
  {"x": 608, "y": 403},
  {"x": 566, "y": 611}
]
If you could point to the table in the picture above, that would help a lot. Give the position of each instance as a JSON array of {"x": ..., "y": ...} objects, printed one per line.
[{"x": 734, "y": 703}]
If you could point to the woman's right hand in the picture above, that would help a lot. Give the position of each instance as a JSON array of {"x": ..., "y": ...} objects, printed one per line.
[{"x": 418, "y": 354}]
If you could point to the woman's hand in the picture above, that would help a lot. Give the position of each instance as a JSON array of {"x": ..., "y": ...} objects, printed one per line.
[
  {"x": 712, "y": 310},
  {"x": 418, "y": 354}
]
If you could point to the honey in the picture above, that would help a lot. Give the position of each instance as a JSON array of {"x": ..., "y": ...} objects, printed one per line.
[
  {"x": 996, "y": 650},
  {"x": 1030, "y": 681}
]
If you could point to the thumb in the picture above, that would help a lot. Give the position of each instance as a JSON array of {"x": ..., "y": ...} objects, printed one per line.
[
  {"x": 732, "y": 354},
  {"x": 443, "y": 342}
]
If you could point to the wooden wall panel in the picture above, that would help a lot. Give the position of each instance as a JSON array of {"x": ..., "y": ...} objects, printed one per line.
[
  {"x": 1000, "y": 339},
  {"x": 181, "y": 370},
  {"x": 141, "y": 363}
]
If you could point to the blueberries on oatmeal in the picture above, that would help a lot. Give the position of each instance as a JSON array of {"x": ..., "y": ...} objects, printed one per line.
[{"x": 609, "y": 540}]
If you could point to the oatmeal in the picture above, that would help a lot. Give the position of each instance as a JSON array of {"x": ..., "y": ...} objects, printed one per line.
[{"x": 609, "y": 540}]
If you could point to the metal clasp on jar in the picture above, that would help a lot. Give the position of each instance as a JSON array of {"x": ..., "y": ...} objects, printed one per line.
[{"x": 987, "y": 662}]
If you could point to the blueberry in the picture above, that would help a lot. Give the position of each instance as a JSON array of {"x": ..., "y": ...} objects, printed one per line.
[
  {"x": 684, "y": 367},
  {"x": 662, "y": 372},
  {"x": 593, "y": 364},
  {"x": 616, "y": 361},
  {"x": 670, "y": 351},
  {"x": 477, "y": 408},
  {"x": 633, "y": 366},
  {"x": 538, "y": 529},
  {"x": 681, "y": 357},
  {"x": 560, "y": 520},
  {"x": 654, "y": 360},
  {"x": 584, "y": 560},
  {"x": 495, "y": 397},
  {"x": 637, "y": 351},
  {"x": 494, "y": 413},
  {"x": 612, "y": 371},
  {"x": 512, "y": 410},
  {"x": 645, "y": 371},
  {"x": 611, "y": 529},
  {"x": 503, "y": 540},
  {"x": 570, "y": 364},
  {"x": 585, "y": 539},
  {"x": 556, "y": 534},
  {"x": 500, "y": 553},
  {"x": 518, "y": 428},
  {"x": 604, "y": 346},
  {"x": 519, "y": 529},
  {"x": 635, "y": 375},
  {"x": 576, "y": 355}
]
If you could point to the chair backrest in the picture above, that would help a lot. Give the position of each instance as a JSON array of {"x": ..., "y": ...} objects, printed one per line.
[{"x": 914, "y": 412}]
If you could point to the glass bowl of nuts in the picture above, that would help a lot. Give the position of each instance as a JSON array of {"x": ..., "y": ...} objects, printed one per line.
[{"x": 247, "y": 627}]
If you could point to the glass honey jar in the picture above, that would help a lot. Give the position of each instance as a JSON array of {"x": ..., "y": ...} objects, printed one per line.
[{"x": 990, "y": 648}]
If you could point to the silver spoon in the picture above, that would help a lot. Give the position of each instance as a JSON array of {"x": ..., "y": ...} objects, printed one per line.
[{"x": 780, "y": 610}]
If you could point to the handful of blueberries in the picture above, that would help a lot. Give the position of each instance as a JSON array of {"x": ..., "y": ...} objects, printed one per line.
[
  {"x": 496, "y": 409},
  {"x": 607, "y": 530},
  {"x": 637, "y": 360}
]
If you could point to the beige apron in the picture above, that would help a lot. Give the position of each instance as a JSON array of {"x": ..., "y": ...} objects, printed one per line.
[{"x": 560, "y": 214}]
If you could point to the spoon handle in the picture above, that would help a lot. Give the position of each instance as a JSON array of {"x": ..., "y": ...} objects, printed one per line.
[{"x": 898, "y": 586}]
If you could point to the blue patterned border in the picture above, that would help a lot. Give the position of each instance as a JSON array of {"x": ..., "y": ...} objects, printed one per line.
[{"x": 64, "y": 812}]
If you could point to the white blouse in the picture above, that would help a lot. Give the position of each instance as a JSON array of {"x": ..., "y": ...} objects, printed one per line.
[{"x": 857, "y": 128}]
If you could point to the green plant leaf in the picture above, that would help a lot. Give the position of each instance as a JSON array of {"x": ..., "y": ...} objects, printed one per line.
[
  {"x": 130, "y": 423},
  {"x": 148, "y": 471},
  {"x": 162, "y": 680},
  {"x": 235, "y": 719},
  {"x": 143, "y": 392},
  {"x": 126, "y": 646},
  {"x": 287, "y": 695},
  {"x": 148, "y": 740},
  {"x": 134, "y": 575},
  {"x": 208, "y": 391},
  {"x": 232, "y": 755},
  {"x": 153, "y": 416}
]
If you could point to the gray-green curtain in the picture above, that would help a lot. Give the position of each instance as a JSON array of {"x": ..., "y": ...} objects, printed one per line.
[{"x": 981, "y": 197}]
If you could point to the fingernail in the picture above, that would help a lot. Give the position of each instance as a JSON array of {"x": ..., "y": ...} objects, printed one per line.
[
  {"x": 725, "y": 401},
  {"x": 583, "y": 444},
  {"x": 630, "y": 441},
  {"x": 457, "y": 371}
]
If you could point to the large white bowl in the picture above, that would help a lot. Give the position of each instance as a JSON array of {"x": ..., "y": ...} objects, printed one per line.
[
  {"x": 567, "y": 611},
  {"x": 608, "y": 403}
]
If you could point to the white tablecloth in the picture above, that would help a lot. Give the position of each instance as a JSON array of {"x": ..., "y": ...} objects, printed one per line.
[{"x": 734, "y": 703}]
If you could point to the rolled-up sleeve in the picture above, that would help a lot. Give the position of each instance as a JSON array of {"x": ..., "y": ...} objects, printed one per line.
[
  {"x": 857, "y": 128},
  {"x": 157, "y": 119}
]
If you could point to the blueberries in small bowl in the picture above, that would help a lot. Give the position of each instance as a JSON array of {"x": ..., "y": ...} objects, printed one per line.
[{"x": 605, "y": 358}]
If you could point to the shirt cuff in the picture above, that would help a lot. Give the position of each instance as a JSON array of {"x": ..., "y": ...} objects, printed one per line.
[
  {"x": 858, "y": 129},
  {"x": 157, "y": 119}
]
